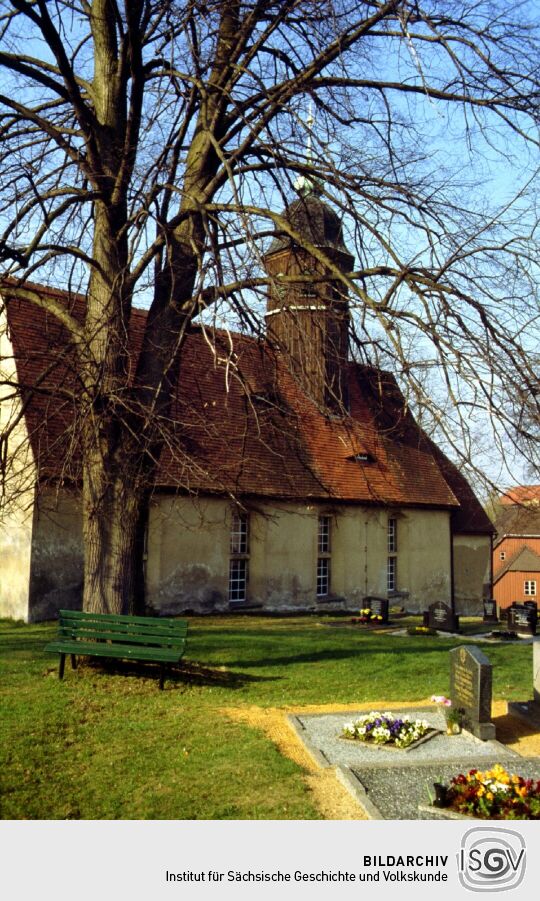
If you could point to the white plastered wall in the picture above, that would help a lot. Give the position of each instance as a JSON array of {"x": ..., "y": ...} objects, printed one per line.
[
  {"x": 188, "y": 554},
  {"x": 17, "y": 489},
  {"x": 472, "y": 557}
]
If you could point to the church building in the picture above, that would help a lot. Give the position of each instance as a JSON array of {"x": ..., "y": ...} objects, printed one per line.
[{"x": 294, "y": 480}]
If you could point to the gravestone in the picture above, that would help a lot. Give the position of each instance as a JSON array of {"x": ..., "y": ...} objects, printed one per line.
[
  {"x": 536, "y": 671},
  {"x": 530, "y": 710},
  {"x": 490, "y": 611},
  {"x": 442, "y": 617},
  {"x": 378, "y": 607},
  {"x": 532, "y": 605},
  {"x": 523, "y": 618},
  {"x": 470, "y": 689}
]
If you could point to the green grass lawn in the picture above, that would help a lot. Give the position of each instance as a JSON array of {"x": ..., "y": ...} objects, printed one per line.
[{"x": 107, "y": 744}]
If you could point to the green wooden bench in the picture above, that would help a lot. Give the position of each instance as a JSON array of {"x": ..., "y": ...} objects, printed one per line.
[{"x": 143, "y": 638}]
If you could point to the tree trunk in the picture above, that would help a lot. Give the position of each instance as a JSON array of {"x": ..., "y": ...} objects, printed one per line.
[
  {"x": 111, "y": 529},
  {"x": 110, "y": 501},
  {"x": 123, "y": 422}
]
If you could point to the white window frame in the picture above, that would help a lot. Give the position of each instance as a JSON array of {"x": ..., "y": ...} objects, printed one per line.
[
  {"x": 324, "y": 550},
  {"x": 391, "y": 560},
  {"x": 392, "y": 535},
  {"x": 502, "y": 555},
  {"x": 239, "y": 539},
  {"x": 324, "y": 534},
  {"x": 239, "y": 557},
  {"x": 238, "y": 580},
  {"x": 323, "y": 577},
  {"x": 391, "y": 574},
  {"x": 529, "y": 588}
]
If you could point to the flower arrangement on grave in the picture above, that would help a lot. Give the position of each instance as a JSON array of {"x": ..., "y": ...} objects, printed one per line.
[
  {"x": 385, "y": 728},
  {"x": 366, "y": 617},
  {"x": 421, "y": 630},
  {"x": 441, "y": 701},
  {"x": 494, "y": 794},
  {"x": 452, "y": 715},
  {"x": 454, "y": 719}
]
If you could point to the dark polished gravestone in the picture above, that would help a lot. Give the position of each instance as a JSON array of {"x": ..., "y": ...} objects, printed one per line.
[
  {"x": 523, "y": 618},
  {"x": 470, "y": 689},
  {"x": 490, "y": 611},
  {"x": 530, "y": 710},
  {"x": 442, "y": 617},
  {"x": 378, "y": 607}
]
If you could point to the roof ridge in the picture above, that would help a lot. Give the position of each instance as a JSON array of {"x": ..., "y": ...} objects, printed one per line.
[{"x": 513, "y": 559}]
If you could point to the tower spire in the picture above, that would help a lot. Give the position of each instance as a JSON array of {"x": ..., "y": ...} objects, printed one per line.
[{"x": 304, "y": 185}]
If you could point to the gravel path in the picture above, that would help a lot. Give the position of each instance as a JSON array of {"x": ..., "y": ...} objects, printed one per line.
[{"x": 397, "y": 781}]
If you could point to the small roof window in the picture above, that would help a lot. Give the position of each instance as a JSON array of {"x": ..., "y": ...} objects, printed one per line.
[{"x": 361, "y": 457}]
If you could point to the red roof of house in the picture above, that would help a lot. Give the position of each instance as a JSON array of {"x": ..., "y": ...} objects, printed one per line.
[
  {"x": 525, "y": 560},
  {"x": 521, "y": 494},
  {"x": 241, "y": 425}
]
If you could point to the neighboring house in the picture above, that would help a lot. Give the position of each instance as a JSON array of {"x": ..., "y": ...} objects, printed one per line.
[
  {"x": 516, "y": 550},
  {"x": 293, "y": 479}
]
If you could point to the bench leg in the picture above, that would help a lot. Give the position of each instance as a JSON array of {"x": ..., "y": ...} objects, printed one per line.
[
  {"x": 62, "y": 665},
  {"x": 161, "y": 677},
  {"x": 73, "y": 662}
]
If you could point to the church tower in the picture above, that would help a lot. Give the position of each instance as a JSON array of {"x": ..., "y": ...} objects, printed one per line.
[{"x": 308, "y": 321}]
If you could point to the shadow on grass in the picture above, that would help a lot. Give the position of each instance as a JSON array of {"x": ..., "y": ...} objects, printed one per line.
[
  {"x": 197, "y": 674},
  {"x": 510, "y": 728},
  {"x": 19, "y": 636},
  {"x": 333, "y": 655},
  {"x": 188, "y": 672},
  {"x": 31, "y": 645}
]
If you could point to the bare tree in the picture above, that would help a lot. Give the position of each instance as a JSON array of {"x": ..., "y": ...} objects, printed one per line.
[{"x": 147, "y": 149}]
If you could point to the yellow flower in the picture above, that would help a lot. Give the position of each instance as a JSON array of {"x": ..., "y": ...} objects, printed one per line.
[
  {"x": 489, "y": 796},
  {"x": 481, "y": 791}
]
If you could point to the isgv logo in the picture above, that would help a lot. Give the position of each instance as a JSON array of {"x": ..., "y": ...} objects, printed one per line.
[{"x": 491, "y": 860}]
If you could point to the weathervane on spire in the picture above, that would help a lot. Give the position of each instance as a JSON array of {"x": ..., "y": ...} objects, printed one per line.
[{"x": 303, "y": 184}]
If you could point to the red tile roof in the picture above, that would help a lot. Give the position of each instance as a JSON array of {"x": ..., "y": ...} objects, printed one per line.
[
  {"x": 244, "y": 427},
  {"x": 521, "y": 494}
]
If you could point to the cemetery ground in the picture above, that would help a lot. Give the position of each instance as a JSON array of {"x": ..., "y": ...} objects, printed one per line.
[{"x": 105, "y": 743}]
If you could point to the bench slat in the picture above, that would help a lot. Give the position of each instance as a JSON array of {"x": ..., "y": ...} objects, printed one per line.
[
  {"x": 124, "y": 637},
  {"x": 132, "y": 652},
  {"x": 116, "y": 623},
  {"x": 121, "y": 618},
  {"x": 148, "y": 639}
]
